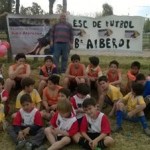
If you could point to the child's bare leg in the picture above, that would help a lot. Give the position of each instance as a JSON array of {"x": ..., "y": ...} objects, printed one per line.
[
  {"x": 42, "y": 85},
  {"x": 66, "y": 82},
  {"x": 49, "y": 135},
  {"x": 113, "y": 110},
  {"x": 60, "y": 144}
]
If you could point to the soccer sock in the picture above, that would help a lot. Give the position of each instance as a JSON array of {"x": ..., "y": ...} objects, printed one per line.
[
  {"x": 143, "y": 121},
  {"x": 84, "y": 143},
  {"x": 119, "y": 118}
]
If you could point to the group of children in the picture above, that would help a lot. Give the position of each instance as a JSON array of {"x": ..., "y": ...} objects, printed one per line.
[{"x": 73, "y": 116}]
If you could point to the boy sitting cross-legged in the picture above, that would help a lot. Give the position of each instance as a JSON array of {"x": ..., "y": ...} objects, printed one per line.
[
  {"x": 28, "y": 121},
  {"x": 95, "y": 127},
  {"x": 63, "y": 127},
  {"x": 131, "y": 107}
]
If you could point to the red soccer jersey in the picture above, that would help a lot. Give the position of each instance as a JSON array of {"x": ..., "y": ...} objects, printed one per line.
[
  {"x": 103, "y": 124},
  {"x": 37, "y": 119},
  {"x": 69, "y": 125}
]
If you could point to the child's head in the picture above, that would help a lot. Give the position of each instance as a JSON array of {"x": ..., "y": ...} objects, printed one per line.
[
  {"x": 64, "y": 108},
  {"x": 20, "y": 58},
  {"x": 103, "y": 82},
  {"x": 90, "y": 106},
  {"x": 75, "y": 58},
  {"x": 94, "y": 61},
  {"x": 27, "y": 84},
  {"x": 140, "y": 78},
  {"x": 53, "y": 80},
  {"x": 137, "y": 88},
  {"x": 48, "y": 60},
  {"x": 135, "y": 67},
  {"x": 26, "y": 102},
  {"x": 113, "y": 65},
  {"x": 63, "y": 94},
  {"x": 82, "y": 90}
]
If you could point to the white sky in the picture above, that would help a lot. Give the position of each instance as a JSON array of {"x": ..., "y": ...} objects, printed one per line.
[{"x": 90, "y": 7}]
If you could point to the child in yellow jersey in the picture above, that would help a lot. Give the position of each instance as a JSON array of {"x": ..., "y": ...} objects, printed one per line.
[
  {"x": 108, "y": 93},
  {"x": 131, "y": 107}
]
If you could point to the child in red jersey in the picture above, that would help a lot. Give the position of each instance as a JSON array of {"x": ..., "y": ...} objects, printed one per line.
[
  {"x": 95, "y": 127},
  {"x": 63, "y": 127},
  {"x": 75, "y": 73},
  {"x": 28, "y": 121},
  {"x": 46, "y": 71}
]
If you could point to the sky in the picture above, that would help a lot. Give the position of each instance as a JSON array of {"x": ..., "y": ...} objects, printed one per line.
[{"x": 91, "y": 7}]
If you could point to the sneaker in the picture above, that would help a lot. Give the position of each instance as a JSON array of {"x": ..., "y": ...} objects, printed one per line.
[
  {"x": 28, "y": 146},
  {"x": 20, "y": 145},
  {"x": 147, "y": 131},
  {"x": 117, "y": 129}
]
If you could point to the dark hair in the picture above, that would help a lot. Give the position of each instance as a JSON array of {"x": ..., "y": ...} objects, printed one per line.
[
  {"x": 114, "y": 62},
  {"x": 140, "y": 77},
  {"x": 54, "y": 79},
  {"x": 48, "y": 58},
  {"x": 25, "y": 98},
  {"x": 20, "y": 55},
  {"x": 2, "y": 81},
  {"x": 27, "y": 82},
  {"x": 83, "y": 89},
  {"x": 75, "y": 57},
  {"x": 137, "y": 88},
  {"x": 65, "y": 91},
  {"x": 94, "y": 60},
  {"x": 136, "y": 64},
  {"x": 89, "y": 102},
  {"x": 102, "y": 78}
]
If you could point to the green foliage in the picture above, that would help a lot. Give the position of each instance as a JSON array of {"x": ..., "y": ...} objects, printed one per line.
[
  {"x": 34, "y": 10},
  {"x": 59, "y": 9},
  {"x": 107, "y": 10},
  {"x": 147, "y": 26}
]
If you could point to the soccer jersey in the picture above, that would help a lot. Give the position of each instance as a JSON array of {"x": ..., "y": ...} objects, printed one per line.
[
  {"x": 77, "y": 103},
  {"x": 69, "y": 125},
  {"x": 34, "y": 96},
  {"x": 98, "y": 125},
  {"x": 114, "y": 93},
  {"x": 132, "y": 101}
]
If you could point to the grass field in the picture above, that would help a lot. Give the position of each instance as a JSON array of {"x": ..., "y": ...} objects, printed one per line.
[{"x": 131, "y": 138}]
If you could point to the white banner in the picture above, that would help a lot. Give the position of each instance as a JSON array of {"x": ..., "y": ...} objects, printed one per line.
[{"x": 104, "y": 33}]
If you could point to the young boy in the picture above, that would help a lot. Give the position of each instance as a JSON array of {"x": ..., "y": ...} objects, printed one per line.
[
  {"x": 64, "y": 94},
  {"x": 4, "y": 96},
  {"x": 95, "y": 127},
  {"x": 17, "y": 72},
  {"x": 63, "y": 127},
  {"x": 131, "y": 74},
  {"x": 28, "y": 87},
  {"x": 108, "y": 94},
  {"x": 93, "y": 71},
  {"x": 28, "y": 121},
  {"x": 75, "y": 73},
  {"x": 46, "y": 71},
  {"x": 114, "y": 74},
  {"x": 83, "y": 91},
  {"x": 131, "y": 107},
  {"x": 140, "y": 78}
]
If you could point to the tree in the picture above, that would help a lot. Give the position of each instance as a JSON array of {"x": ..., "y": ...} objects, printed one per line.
[
  {"x": 147, "y": 26},
  {"x": 34, "y": 10},
  {"x": 17, "y": 6},
  {"x": 59, "y": 9},
  {"x": 107, "y": 10},
  {"x": 51, "y": 4},
  {"x": 64, "y": 6}
]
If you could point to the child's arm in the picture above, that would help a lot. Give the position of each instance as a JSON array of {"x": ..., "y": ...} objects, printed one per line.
[
  {"x": 67, "y": 74},
  {"x": 38, "y": 105}
]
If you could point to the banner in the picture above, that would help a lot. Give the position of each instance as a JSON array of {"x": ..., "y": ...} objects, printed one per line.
[{"x": 104, "y": 33}]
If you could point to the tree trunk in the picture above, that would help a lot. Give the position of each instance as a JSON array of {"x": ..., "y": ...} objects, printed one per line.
[
  {"x": 64, "y": 6},
  {"x": 17, "y": 6},
  {"x": 51, "y": 4}
]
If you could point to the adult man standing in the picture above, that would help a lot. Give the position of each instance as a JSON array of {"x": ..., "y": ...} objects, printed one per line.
[{"x": 62, "y": 39}]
